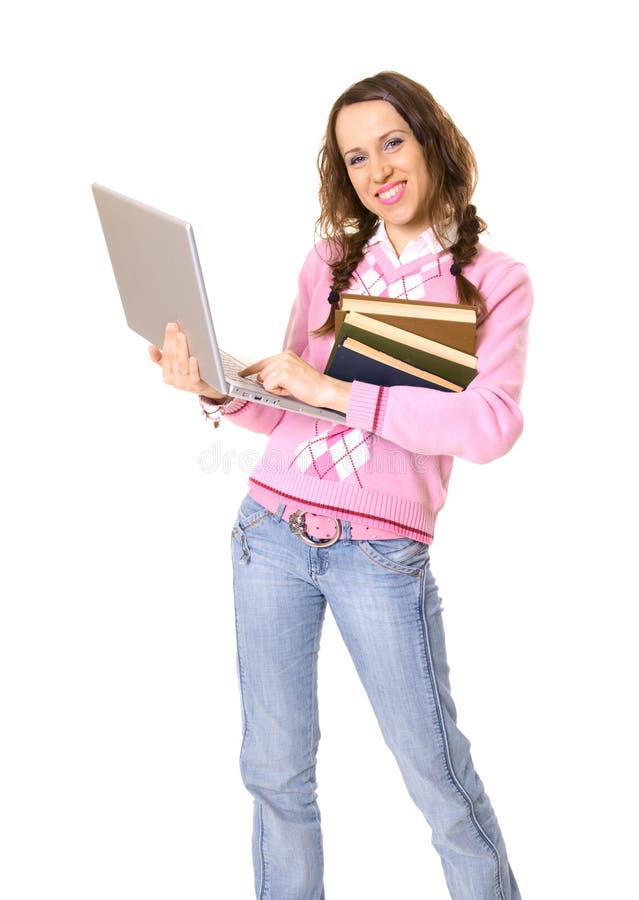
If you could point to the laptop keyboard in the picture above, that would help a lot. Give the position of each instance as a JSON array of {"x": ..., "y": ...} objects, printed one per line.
[{"x": 233, "y": 366}]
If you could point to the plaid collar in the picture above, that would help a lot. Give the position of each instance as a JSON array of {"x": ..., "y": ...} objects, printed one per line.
[{"x": 425, "y": 244}]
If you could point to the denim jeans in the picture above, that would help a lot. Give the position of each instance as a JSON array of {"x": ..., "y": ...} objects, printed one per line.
[{"x": 388, "y": 611}]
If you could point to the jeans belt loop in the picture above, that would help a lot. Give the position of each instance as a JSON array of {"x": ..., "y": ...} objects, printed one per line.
[{"x": 297, "y": 524}]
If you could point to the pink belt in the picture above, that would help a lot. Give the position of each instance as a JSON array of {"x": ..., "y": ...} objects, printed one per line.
[{"x": 307, "y": 524}]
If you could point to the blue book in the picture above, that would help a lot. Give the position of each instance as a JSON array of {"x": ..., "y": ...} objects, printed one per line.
[{"x": 354, "y": 361}]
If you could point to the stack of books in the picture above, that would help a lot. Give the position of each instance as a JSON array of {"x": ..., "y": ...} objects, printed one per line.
[{"x": 404, "y": 342}]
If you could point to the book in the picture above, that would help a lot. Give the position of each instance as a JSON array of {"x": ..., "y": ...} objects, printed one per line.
[
  {"x": 411, "y": 339},
  {"x": 354, "y": 361},
  {"x": 426, "y": 309},
  {"x": 427, "y": 358},
  {"x": 453, "y": 324}
]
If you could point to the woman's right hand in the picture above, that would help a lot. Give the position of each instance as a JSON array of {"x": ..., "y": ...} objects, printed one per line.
[{"x": 178, "y": 368}]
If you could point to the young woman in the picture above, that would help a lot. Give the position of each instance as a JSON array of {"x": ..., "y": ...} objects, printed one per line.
[{"x": 397, "y": 179}]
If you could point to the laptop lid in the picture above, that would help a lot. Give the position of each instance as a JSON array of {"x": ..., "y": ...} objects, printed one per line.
[
  {"x": 159, "y": 279},
  {"x": 158, "y": 275}
]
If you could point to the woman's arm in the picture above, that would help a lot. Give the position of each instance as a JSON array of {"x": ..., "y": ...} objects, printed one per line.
[{"x": 480, "y": 423}]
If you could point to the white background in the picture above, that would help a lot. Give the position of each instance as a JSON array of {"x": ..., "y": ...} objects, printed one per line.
[{"x": 119, "y": 706}]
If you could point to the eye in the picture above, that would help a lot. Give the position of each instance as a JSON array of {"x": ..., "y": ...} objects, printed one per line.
[
  {"x": 356, "y": 160},
  {"x": 393, "y": 143}
]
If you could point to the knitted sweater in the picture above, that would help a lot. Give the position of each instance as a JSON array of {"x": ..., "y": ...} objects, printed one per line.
[{"x": 389, "y": 465}]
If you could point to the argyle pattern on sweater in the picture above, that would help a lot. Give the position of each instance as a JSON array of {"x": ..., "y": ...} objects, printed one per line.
[
  {"x": 338, "y": 452},
  {"x": 335, "y": 454}
]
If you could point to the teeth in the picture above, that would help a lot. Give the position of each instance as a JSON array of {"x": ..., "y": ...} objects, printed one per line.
[{"x": 386, "y": 195}]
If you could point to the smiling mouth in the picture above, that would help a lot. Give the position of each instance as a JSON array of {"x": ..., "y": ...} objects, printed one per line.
[{"x": 392, "y": 192}]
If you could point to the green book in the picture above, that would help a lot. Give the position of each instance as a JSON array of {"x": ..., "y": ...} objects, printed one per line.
[{"x": 428, "y": 362}]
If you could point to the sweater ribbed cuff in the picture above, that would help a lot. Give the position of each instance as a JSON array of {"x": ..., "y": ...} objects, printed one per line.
[
  {"x": 225, "y": 407},
  {"x": 367, "y": 406}
]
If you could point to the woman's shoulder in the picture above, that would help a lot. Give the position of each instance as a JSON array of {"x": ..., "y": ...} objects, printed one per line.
[
  {"x": 499, "y": 276},
  {"x": 317, "y": 262},
  {"x": 321, "y": 254},
  {"x": 316, "y": 275},
  {"x": 490, "y": 267},
  {"x": 492, "y": 263}
]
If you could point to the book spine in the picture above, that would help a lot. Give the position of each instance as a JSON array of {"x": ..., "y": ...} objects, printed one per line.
[
  {"x": 459, "y": 335},
  {"x": 460, "y": 375},
  {"x": 348, "y": 365}
]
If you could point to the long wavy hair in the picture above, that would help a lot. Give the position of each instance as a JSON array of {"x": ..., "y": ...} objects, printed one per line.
[{"x": 346, "y": 223}]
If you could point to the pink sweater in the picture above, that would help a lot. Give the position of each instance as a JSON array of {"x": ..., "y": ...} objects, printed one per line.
[{"x": 389, "y": 465}]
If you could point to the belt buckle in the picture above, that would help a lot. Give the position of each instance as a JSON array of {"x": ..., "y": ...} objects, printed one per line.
[{"x": 297, "y": 524}]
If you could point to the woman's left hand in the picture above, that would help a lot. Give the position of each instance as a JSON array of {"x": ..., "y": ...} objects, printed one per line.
[{"x": 288, "y": 374}]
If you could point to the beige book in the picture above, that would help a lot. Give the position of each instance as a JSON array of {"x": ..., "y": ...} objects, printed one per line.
[
  {"x": 422, "y": 309},
  {"x": 412, "y": 340}
]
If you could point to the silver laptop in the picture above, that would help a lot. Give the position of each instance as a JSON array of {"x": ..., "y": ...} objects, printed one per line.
[{"x": 159, "y": 278}]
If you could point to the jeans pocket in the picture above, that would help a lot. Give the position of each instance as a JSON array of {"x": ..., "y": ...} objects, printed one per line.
[
  {"x": 249, "y": 514},
  {"x": 404, "y": 554}
]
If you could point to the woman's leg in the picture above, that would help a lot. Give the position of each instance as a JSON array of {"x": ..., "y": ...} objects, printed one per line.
[
  {"x": 387, "y": 607},
  {"x": 279, "y": 617}
]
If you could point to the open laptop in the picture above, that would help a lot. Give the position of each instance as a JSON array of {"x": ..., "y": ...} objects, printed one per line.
[{"x": 159, "y": 278}]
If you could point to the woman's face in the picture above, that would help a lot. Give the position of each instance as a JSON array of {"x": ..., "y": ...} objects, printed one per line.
[{"x": 386, "y": 166}]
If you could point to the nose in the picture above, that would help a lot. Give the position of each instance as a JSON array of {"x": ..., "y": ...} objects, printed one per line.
[{"x": 381, "y": 169}]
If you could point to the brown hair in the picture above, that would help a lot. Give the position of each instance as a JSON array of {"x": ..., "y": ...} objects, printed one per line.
[{"x": 346, "y": 223}]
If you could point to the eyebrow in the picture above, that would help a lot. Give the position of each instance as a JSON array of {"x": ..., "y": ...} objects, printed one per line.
[{"x": 382, "y": 137}]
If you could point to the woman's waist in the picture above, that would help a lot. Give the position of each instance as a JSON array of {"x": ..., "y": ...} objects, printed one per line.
[
  {"x": 321, "y": 527},
  {"x": 371, "y": 516}
]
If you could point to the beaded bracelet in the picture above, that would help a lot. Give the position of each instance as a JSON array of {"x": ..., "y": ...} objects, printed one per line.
[{"x": 212, "y": 410}]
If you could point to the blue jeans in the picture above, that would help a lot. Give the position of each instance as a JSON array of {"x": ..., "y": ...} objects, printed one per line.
[{"x": 387, "y": 608}]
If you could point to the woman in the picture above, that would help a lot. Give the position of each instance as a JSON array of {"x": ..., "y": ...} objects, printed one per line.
[{"x": 397, "y": 178}]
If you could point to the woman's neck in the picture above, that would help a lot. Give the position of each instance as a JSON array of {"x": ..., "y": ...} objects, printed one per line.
[{"x": 400, "y": 236}]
